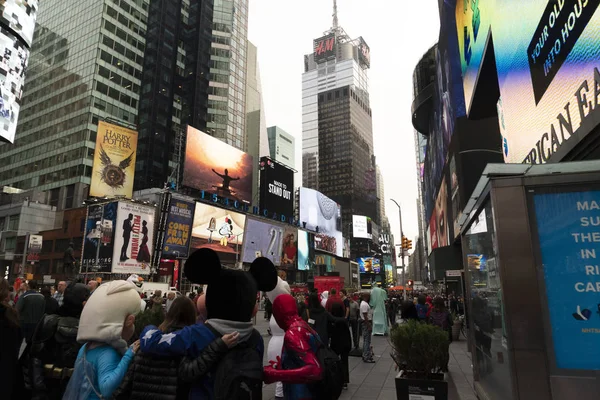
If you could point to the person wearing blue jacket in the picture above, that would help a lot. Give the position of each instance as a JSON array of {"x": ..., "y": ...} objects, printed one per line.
[{"x": 105, "y": 327}]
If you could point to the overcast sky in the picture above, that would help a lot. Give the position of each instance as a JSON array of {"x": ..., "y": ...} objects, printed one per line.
[{"x": 398, "y": 33}]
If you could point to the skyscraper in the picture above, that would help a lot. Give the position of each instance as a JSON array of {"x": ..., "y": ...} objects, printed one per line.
[
  {"x": 174, "y": 87},
  {"x": 337, "y": 62},
  {"x": 85, "y": 66},
  {"x": 282, "y": 146}
]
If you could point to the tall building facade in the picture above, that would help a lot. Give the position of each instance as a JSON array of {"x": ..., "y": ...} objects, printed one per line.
[
  {"x": 85, "y": 66},
  {"x": 282, "y": 146},
  {"x": 174, "y": 87},
  {"x": 337, "y": 62},
  {"x": 227, "y": 86}
]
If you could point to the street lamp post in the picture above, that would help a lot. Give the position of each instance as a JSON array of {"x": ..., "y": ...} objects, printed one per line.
[{"x": 401, "y": 249}]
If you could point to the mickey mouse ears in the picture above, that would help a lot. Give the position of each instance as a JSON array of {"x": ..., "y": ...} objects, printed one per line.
[
  {"x": 203, "y": 267},
  {"x": 264, "y": 273}
]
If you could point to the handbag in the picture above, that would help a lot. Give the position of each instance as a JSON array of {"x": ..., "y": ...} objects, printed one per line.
[{"x": 81, "y": 385}]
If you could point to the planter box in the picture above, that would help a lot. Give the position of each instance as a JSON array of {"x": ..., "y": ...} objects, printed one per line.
[{"x": 434, "y": 388}]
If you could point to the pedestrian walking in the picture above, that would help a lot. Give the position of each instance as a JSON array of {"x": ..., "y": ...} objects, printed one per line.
[
  {"x": 366, "y": 318},
  {"x": 31, "y": 307},
  {"x": 341, "y": 342}
]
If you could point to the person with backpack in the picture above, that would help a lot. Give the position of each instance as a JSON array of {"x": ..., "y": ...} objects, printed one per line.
[
  {"x": 440, "y": 316},
  {"x": 320, "y": 319},
  {"x": 300, "y": 369},
  {"x": 422, "y": 308},
  {"x": 341, "y": 342}
]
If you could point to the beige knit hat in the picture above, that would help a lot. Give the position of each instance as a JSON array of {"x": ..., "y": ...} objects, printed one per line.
[{"x": 104, "y": 314}]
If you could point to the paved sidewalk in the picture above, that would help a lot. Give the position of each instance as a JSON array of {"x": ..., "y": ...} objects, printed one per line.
[{"x": 376, "y": 381}]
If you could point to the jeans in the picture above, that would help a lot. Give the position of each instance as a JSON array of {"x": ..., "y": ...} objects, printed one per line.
[
  {"x": 367, "y": 330},
  {"x": 355, "y": 332}
]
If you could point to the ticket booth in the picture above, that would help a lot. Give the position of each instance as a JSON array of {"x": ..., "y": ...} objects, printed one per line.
[{"x": 531, "y": 249}]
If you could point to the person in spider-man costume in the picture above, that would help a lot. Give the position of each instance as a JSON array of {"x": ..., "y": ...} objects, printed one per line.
[{"x": 298, "y": 367}]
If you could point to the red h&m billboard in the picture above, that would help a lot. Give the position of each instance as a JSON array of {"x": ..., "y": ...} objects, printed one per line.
[{"x": 325, "y": 48}]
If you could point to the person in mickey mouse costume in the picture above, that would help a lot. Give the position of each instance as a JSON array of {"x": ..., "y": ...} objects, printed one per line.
[
  {"x": 230, "y": 301},
  {"x": 276, "y": 342}
]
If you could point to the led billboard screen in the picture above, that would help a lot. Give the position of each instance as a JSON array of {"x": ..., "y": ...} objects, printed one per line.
[
  {"x": 547, "y": 70},
  {"x": 218, "y": 229},
  {"x": 325, "y": 48},
  {"x": 263, "y": 239},
  {"x": 289, "y": 255},
  {"x": 364, "y": 53},
  {"x": 276, "y": 188},
  {"x": 114, "y": 161},
  {"x": 179, "y": 228},
  {"x": 369, "y": 265},
  {"x": 134, "y": 237},
  {"x": 320, "y": 214},
  {"x": 306, "y": 250},
  {"x": 361, "y": 227},
  {"x": 19, "y": 16},
  {"x": 215, "y": 167},
  {"x": 13, "y": 62}
]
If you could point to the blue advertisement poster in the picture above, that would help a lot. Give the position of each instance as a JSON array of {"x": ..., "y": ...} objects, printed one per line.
[
  {"x": 569, "y": 237},
  {"x": 179, "y": 228}
]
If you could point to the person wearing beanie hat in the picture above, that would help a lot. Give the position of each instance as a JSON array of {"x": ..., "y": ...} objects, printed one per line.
[
  {"x": 106, "y": 324},
  {"x": 230, "y": 302},
  {"x": 276, "y": 342}
]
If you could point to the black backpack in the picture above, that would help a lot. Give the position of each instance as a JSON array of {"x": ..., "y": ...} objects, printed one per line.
[
  {"x": 332, "y": 376},
  {"x": 239, "y": 375}
]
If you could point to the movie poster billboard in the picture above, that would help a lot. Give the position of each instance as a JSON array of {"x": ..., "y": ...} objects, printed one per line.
[
  {"x": 219, "y": 229},
  {"x": 19, "y": 16},
  {"x": 215, "y": 167},
  {"x": 318, "y": 213},
  {"x": 34, "y": 247},
  {"x": 134, "y": 237},
  {"x": 289, "y": 255},
  {"x": 276, "y": 188},
  {"x": 14, "y": 57},
  {"x": 99, "y": 226},
  {"x": 263, "y": 239},
  {"x": 114, "y": 161},
  {"x": 179, "y": 228}
]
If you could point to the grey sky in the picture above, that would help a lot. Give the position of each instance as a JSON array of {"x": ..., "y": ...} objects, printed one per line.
[{"x": 398, "y": 33}]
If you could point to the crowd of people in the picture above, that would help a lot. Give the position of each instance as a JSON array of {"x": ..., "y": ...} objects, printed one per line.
[{"x": 83, "y": 341}]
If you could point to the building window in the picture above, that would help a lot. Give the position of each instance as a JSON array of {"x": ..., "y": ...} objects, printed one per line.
[
  {"x": 10, "y": 244},
  {"x": 65, "y": 226},
  {"x": 13, "y": 223}
]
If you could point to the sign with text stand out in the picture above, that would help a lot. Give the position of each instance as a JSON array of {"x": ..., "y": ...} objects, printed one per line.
[{"x": 568, "y": 226}]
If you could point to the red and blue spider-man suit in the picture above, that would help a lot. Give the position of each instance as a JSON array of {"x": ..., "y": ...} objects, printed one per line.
[{"x": 298, "y": 367}]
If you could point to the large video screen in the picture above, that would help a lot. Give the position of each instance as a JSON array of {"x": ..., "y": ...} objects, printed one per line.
[
  {"x": 13, "y": 62},
  {"x": 320, "y": 214},
  {"x": 369, "y": 265},
  {"x": 361, "y": 227},
  {"x": 219, "y": 229},
  {"x": 276, "y": 188},
  {"x": 263, "y": 239},
  {"x": 547, "y": 70},
  {"x": 216, "y": 167},
  {"x": 19, "y": 16},
  {"x": 306, "y": 250}
]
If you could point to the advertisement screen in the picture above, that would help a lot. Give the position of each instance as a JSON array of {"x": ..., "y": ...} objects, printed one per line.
[
  {"x": 364, "y": 53},
  {"x": 276, "y": 188},
  {"x": 323, "y": 260},
  {"x": 289, "y": 255},
  {"x": 13, "y": 62},
  {"x": 325, "y": 48},
  {"x": 179, "y": 228},
  {"x": 438, "y": 223},
  {"x": 134, "y": 236},
  {"x": 19, "y": 16},
  {"x": 320, "y": 214},
  {"x": 114, "y": 161},
  {"x": 361, "y": 227},
  {"x": 306, "y": 250},
  {"x": 216, "y": 167},
  {"x": 566, "y": 224},
  {"x": 547, "y": 70},
  {"x": 218, "y": 229},
  {"x": 100, "y": 223},
  {"x": 263, "y": 240},
  {"x": 369, "y": 265}
]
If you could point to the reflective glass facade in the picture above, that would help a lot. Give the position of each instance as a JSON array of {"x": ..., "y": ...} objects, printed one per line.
[{"x": 85, "y": 65}]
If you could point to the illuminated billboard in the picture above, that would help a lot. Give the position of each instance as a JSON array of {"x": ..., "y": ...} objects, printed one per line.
[
  {"x": 19, "y": 16},
  {"x": 114, "y": 161},
  {"x": 306, "y": 250},
  {"x": 179, "y": 228},
  {"x": 361, "y": 227},
  {"x": 369, "y": 265},
  {"x": 133, "y": 239},
  {"x": 100, "y": 223},
  {"x": 276, "y": 188},
  {"x": 215, "y": 167},
  {"x": 218, "y": 229},
  {"x": 547, "y": 70},
  {"x": 13, "y": 62},
  {"x": 320, "y": 214},
  {"x": 263, "y": 239},
  {"x": 364, "y": 53},
  {"x": 325, "y": 48}
]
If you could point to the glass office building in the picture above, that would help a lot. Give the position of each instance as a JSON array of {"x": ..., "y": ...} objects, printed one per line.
[{"x": 85, "y": 66}]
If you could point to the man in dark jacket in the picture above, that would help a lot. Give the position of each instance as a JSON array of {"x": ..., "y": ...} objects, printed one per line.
[
  {"x": 31, "y": 307},
  {"x": 54, "y": 347}
]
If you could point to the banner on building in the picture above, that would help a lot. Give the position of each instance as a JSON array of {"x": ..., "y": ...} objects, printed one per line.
[
  {"x": 134, "y": 234},
  {"x": 34, "y": 247},
  {"x": 114, "y": 161},
  {"x": 99, "y": 230},
  {"x": 179, "y": 228}
]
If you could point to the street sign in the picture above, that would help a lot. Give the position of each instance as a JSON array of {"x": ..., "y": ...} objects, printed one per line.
[
  {"x": 418, "y": 283},
  {"x": 454, "y": 273}
]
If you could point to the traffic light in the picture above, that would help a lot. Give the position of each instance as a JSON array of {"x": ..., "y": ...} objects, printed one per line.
[
  {"x": 404, "y": 243},
  {"x": 410, "y": 283},
  {"x": 409, "y": 245}
]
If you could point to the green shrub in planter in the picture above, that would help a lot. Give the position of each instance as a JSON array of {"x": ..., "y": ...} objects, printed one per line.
[{"x": 151, "y": 316}]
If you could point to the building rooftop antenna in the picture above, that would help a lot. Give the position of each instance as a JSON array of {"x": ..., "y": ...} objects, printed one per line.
[{"x": 335, "y": 15}]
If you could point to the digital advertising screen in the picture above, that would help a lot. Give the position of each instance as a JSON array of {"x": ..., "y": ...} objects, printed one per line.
[
  {"x": 325, "y": 48},
  {"x": 215, "y": 167},
  {"x": 219, "y": 229},
  {"x": 547, "y": 70},
  {"x": 306, "y": 250},
  {"x": 289, "y": 250},
  {"x": 114, "y": 161},
  {"x": 100, "y": 222},
  {"x": 318, "y": 213},
  {"x": 361, "y": 227},
  {"x": 134, "y": 237},
  {"x": 14, "y": 57},
  {"x": 263, "y": 239},
  {"x": 19, "y": 16},
  {"x": 364, "y": 52},
  {"x": 179, "y": 228},
  {"x": 276, "y": 188},
  {"x": 369, "y": 265},
  {"x": 439, "y": 231},
  {"x": 566, "y": 223}
]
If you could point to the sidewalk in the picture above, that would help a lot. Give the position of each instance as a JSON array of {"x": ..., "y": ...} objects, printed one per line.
[{"x": 376, "y": 381}]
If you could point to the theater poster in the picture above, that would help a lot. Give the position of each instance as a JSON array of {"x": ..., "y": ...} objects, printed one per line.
[{"x": 134, "y": 234}]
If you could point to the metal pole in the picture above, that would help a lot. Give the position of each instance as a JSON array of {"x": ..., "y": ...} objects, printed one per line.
[{"x": 401, "y": 248}]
